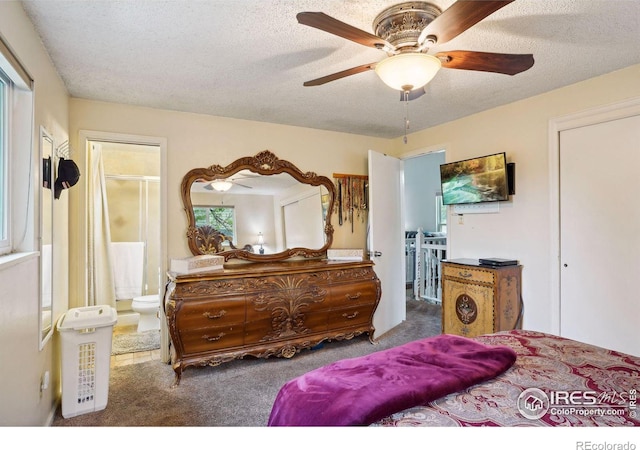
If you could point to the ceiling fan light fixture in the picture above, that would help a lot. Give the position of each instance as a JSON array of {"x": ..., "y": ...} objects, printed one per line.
[
  {"x": 221, "y": 185},
  {"x": 408, "y": 71}
]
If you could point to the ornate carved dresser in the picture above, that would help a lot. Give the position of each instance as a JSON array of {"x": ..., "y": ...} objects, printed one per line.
[
  {"x": 267, "y": 309},
  {"x": 479, "y": 299},
  {"x": 272, "y": 303}
]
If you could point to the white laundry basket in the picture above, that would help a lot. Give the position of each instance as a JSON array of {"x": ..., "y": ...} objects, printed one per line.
[{"x": 86, "y": 356}]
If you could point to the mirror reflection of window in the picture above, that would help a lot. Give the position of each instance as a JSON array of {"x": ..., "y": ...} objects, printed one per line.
[{"x": 222, "y": 218}]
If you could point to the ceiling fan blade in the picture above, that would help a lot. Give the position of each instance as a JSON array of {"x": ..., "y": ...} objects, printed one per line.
[
  {"x": 459, "y": 17},
  {"x": 416, "y": 93},
  {"x": 327, "y": 23},
  {"x": 338, "y": 75},
  {"x": 509, "y": 64},
  {"x": 241, "y": 185}
]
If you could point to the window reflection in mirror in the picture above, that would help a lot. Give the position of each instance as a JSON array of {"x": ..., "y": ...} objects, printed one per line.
[
  {"x": 46, "y": 236},
  {"x": 220, "y": 217}
]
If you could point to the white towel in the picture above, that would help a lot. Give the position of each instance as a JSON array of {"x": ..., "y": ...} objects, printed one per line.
[{"x": 127, "y": 262}]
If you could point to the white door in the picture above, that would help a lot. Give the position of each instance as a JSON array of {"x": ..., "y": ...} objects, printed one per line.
[
  {"x": 386, "y": 239},
  {"x": 600, "y": 234}
]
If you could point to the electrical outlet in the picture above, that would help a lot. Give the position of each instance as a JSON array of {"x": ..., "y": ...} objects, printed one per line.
[{"x": 461, "y": 219}]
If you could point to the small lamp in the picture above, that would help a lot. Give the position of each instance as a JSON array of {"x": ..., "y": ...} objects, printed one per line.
[{"x": 261, "y": 242}]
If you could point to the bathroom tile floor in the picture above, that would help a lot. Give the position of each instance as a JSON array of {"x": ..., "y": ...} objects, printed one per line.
[{"x": 132, "y": 358}]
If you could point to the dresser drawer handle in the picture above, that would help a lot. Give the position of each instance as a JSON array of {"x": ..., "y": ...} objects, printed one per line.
[
  {"x": 353, "y": 297},
  {"x": 350, "y": 316},
  {"x": 220, "y": 315},
  {"x": 213, "y": 338},
  {"x": 465, "y": 274}
]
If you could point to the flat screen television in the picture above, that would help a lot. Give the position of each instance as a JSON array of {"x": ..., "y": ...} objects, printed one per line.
[{"x": 475, "y": 180}]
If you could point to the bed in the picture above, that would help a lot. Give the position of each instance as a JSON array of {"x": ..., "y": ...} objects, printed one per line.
[{"x": 552, "y": 381}]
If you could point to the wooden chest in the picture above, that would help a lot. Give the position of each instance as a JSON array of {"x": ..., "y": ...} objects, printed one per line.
[
  {"x": 479, "y": 299},
  {"x": 267, "y": 309}
]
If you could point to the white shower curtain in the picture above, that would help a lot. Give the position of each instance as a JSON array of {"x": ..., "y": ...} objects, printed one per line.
[{"x": 101, "y": 289}]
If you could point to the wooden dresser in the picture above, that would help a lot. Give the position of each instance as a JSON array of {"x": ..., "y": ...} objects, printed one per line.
[
  {"x": 267, "y": 309},
  {"x": 478, "y": 299}
]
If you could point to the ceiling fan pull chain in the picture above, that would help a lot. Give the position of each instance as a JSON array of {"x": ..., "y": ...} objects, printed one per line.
[{"x": 406, "y": 115}]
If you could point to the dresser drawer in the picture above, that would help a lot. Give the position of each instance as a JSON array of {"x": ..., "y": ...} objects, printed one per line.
[
  {"x": 351, "y": 275},
  {"x": 213, "y": 338},
  {"x": 209, "y": 288},
  {"x": 351, "y": 317},
  {"x": 468, "y": 274},
  {"x": 206, "y": 314},
  {"x": 351, "y": 294}
]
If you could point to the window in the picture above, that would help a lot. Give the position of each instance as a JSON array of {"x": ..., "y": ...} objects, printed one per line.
[
  {"x": 222, "y": 218},
  {"x": 5, "y": 237},
  {"x": 17, "y": 213}
]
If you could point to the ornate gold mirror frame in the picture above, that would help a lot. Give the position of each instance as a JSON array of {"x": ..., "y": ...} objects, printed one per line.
[{"x": 264, "y": 163}]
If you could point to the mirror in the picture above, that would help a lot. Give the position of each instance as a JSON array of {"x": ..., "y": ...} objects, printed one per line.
[
  {"x": 46, "y": 236},
  {"x": 258, "y": 208}
]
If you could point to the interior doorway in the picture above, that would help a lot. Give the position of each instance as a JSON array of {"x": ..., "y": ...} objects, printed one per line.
[
  {"x": 425, "y": 224},
  {"x": 126, "y": 224}
]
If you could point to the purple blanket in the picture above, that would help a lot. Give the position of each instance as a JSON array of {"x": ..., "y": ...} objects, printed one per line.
[{"x": 360, "y": 391}]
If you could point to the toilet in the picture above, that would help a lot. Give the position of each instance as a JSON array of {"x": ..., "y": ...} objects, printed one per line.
[{"x": 148, "y": 306}]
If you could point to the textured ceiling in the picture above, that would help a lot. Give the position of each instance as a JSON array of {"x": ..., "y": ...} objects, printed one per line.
[{"x": 247, "y": 59}]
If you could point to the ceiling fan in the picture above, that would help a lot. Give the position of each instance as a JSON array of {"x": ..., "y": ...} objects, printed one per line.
[
  {"x": 407, "y": 31},
  {"x": 222, "y": 185}
]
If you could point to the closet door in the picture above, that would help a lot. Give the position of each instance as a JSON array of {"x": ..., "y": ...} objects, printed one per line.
[{"x": 600, "y": 234}]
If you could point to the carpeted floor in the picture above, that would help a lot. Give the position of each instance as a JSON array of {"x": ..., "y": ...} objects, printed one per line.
[{"x": 239, "y": 393}]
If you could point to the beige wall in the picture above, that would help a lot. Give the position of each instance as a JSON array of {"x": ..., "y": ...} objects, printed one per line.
[
  {"x": 195, "y": 140},
  {"x": 522, "y": 228},
  {"x": 23, "y": 364}
]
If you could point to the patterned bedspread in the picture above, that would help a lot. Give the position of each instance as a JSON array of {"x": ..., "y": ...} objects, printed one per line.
[{"x": 554, "y": 382}]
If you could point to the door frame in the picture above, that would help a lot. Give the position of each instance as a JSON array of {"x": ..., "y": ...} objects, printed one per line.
[
  {"x": 86, "y": 136},
  {"x": 424, "y": 151},
  {"x": 592, "y": 116}
]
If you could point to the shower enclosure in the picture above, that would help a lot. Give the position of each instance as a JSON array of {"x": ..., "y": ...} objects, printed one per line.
[{"x": 134, "y": 216}]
